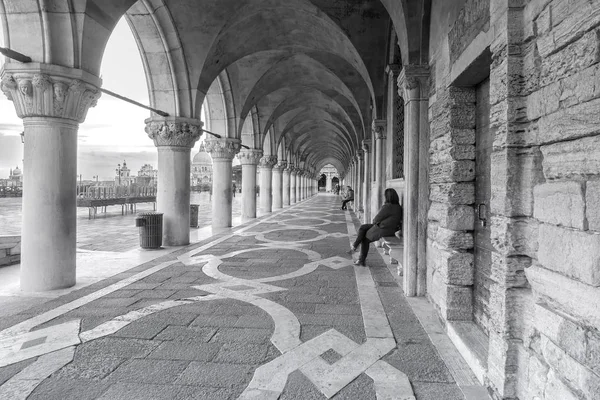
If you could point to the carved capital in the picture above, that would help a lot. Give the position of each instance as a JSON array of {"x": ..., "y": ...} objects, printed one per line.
[
  {"x": 249, "y": 157},
  {"x": 268, "y": 161},
  {"x": 174, "y": 131},
  {"x": 413, "y": 82},
  {"x": 42, "y": 90},
  {"x": 360, "y": 155},
  {"x": 280, "y": 166},
  {"x": 366, "y": 146},
  {"x": 222, "y": 149},
  {"x": 378, "y": 128}
]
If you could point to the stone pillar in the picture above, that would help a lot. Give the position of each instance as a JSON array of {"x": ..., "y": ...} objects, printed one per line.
[
  {"x": 380, "y": 140},
  {"x": 366, "y": 182},
  {"x": 286, "y": 186},
  {"x": 299, "y": 174},
  {"x": 293, "y": 176},
  {"x": 52, "y": 101},
  {"x": 174, "y": 138},
  {"x": 413, "y": 87},
  {"x": 249, "y": 160},
  {"x": 328, "y": 182},
  {"x": 222, "y": 152},
  {"x": 278, "y": 185},
  {"x": 359, "y": 194},
  {"x": 266, "y": 176}
]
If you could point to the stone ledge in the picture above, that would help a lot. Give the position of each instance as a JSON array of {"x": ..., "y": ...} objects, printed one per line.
[
  {"x": 10, "y": 250},
  {"x": 472, "y": 343}
]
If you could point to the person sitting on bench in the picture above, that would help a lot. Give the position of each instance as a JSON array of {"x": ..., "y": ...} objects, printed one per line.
[{"x": 349, "y": 196}]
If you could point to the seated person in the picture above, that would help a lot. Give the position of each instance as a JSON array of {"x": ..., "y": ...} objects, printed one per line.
[
  {"x": 349, "y": 196},
  {"x": 386, "y": 223}
]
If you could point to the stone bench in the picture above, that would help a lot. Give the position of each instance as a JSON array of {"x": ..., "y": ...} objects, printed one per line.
[
  {"x": 10, "y": 250},
  {"x": 393, "y": 247}
]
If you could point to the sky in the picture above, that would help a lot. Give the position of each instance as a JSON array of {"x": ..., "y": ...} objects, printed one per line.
[{"x": 113, "y": 131}]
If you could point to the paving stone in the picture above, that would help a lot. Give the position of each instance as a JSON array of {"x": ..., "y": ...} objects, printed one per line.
[
  {"x": 242, "y": 353},
  {"x": 7, "y": 372},
  {"x": 140, "y": 330},
  {"x": 436, "y": 391},
  {"x": 200, "y": 393},
  {"x": 141, "y": 286},
  {"x": 187, "y": 334},
  {"x": 255, "y": 321},
  {"x": 95, "y": 367},
  {"x": 111, "y": 303},
  {"x": 140, "y": 391},
  {"x": 420, "y": 362},
  {"x": 330, "y": 319},
  {"x": 123, "y": 293},
  {"x": 148, "y": 371},
  {"x": 185, "y": 350},
  {"x": 337, "y": 309},
  {"x": 156, "y": 294},
  {"x": 117, "y": 347},
  {"x": 215, "y": 320},
  {"x": 63, "y": 389},
  {"x": 299, "y": 386},
  {"x": 216, "y": 375},
  {"x": 246, "y": 335},
  {"x": 168, "y": 317},
  {"x": 361, "y": 388}
]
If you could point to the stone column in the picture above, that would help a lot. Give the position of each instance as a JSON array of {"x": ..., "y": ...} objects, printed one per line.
[
  {"x": 299, "y": 174},
  {"x": 412, "y": 84},
  {"x": 278, "y": 184},
  {"x": 328, "y": 182},
  {"x": 358, "y": 198},
  {"x": 52, "y": 101},
  {"x": 266, "y": 175},
  {"x": 222, "y": 152},
  {"x": 366, "y": 182},
  {"x": 174, "y": 138},
  {"x": 380, "y": 140},
  {"x": 293, "y": 176},
  {"x": 249, "y": 160},
  {"x": 286, "y": 186}
]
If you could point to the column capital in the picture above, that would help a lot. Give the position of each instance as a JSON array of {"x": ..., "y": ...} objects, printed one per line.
[
  {"x": 413, "y": 82},
  {"x": 359, "y": 155},
  {"x": 46, "y": 90},
  {"x": 174, "y": 131},
  {"x": 366, "y": 146},
  {"x": 280, "y": 166},
  {"x": 249, "y": 156},
  {"x": 393, "y": 69},
  {"x": 378, "y": 128},
  {"x": 223, "y": 148},
  {"x": 268, "y": 161}
]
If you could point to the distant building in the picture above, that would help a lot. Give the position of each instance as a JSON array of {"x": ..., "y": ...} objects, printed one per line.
[
  {"x": 202, "y": 170},
  {"x": 147, "y": 176},
  {"x": 15, "y": 178},
  {"x": 123, "y": 175}
]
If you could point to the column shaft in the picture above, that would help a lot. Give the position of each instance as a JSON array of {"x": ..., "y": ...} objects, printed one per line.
[
  {"x": 222, "y": 152},
  {"x": 266, "y": 176},
  {"x": 286, "y": 187},
  {"x": 248, "y": 191},
  {"x": 366, "y": 184},
  {"x": 49, "y": 227},
  {"x": 298, "y": 186},
  {"x": 293, "y": 177},
  {"x": 173, "y": 194}
]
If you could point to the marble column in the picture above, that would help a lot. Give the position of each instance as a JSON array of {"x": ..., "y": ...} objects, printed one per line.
[
  {"x": 278, "y": 184},
  {"x": 222, "y": 152},
  {"x": 380, "y": 140},
  {"x": 299, "y": 174},
  {"x": 293, "y": 176},
  {"x": 358, "y": 198},
  {"x": 266, "y": 176},
  {"x": 328, "y": 183},
  {"x": 366, "y": 182},
  {"x": 286, "y": 186},
  {"x": 412, "y": 86},
  {"x": 52, "y": 101},
  {"x": 249, "y": 160},
  {"x": 174, "y": 138}
]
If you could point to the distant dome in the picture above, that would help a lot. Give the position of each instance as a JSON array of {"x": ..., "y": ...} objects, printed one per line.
[
  {"x": 202, "y": 157},
  {"x": 16, "y": 172}
]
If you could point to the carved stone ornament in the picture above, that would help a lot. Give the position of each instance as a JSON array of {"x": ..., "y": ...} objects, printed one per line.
[
  {"x": 249, "y": 157},
  {"x": 360, "y": 155},
  {"x": 268, "y": 161},
  {"x": 44, "y": 95},
  {"x": 366, "y": 146},
  {"x": 281, "y": 165},
  {"x": 174, "y": 131},
  {"x": 413, "y": 77},
  {"x": 378, "y": 128},
  {"x": 222, "y": 149}
]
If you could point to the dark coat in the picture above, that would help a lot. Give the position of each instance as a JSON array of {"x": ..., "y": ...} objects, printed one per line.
[{"x": 387, "y": 221}]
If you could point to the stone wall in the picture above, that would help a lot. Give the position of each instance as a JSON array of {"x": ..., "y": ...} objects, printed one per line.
[
  {"x": 544, "y": 321},
  {"x": 10, "y": 250}
]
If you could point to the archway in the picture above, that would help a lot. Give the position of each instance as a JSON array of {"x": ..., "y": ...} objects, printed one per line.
[{"x": 322, "y": 182}]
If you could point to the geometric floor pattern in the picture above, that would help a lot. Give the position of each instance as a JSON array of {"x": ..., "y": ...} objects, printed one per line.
[{"x": 272, "y": 310}]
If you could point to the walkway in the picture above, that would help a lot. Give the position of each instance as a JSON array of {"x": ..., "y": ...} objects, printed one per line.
[{"x": 273, "y": 309}]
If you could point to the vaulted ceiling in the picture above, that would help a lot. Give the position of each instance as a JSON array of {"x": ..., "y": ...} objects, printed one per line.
[{"x": 313, "y": 70}]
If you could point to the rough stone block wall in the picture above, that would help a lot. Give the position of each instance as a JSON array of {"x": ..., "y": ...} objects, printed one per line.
[
  {"x": 561, "y": 104},
  {"x": 451, "y": 214}
]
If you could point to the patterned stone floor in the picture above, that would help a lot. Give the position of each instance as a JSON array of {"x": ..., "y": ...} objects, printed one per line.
[{"x": 273, "y": 309}]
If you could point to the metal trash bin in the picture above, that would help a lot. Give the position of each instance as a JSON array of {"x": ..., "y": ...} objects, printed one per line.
[
  {"x": 150, "y": 224},
  {"x": 194, "y": 215}
]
